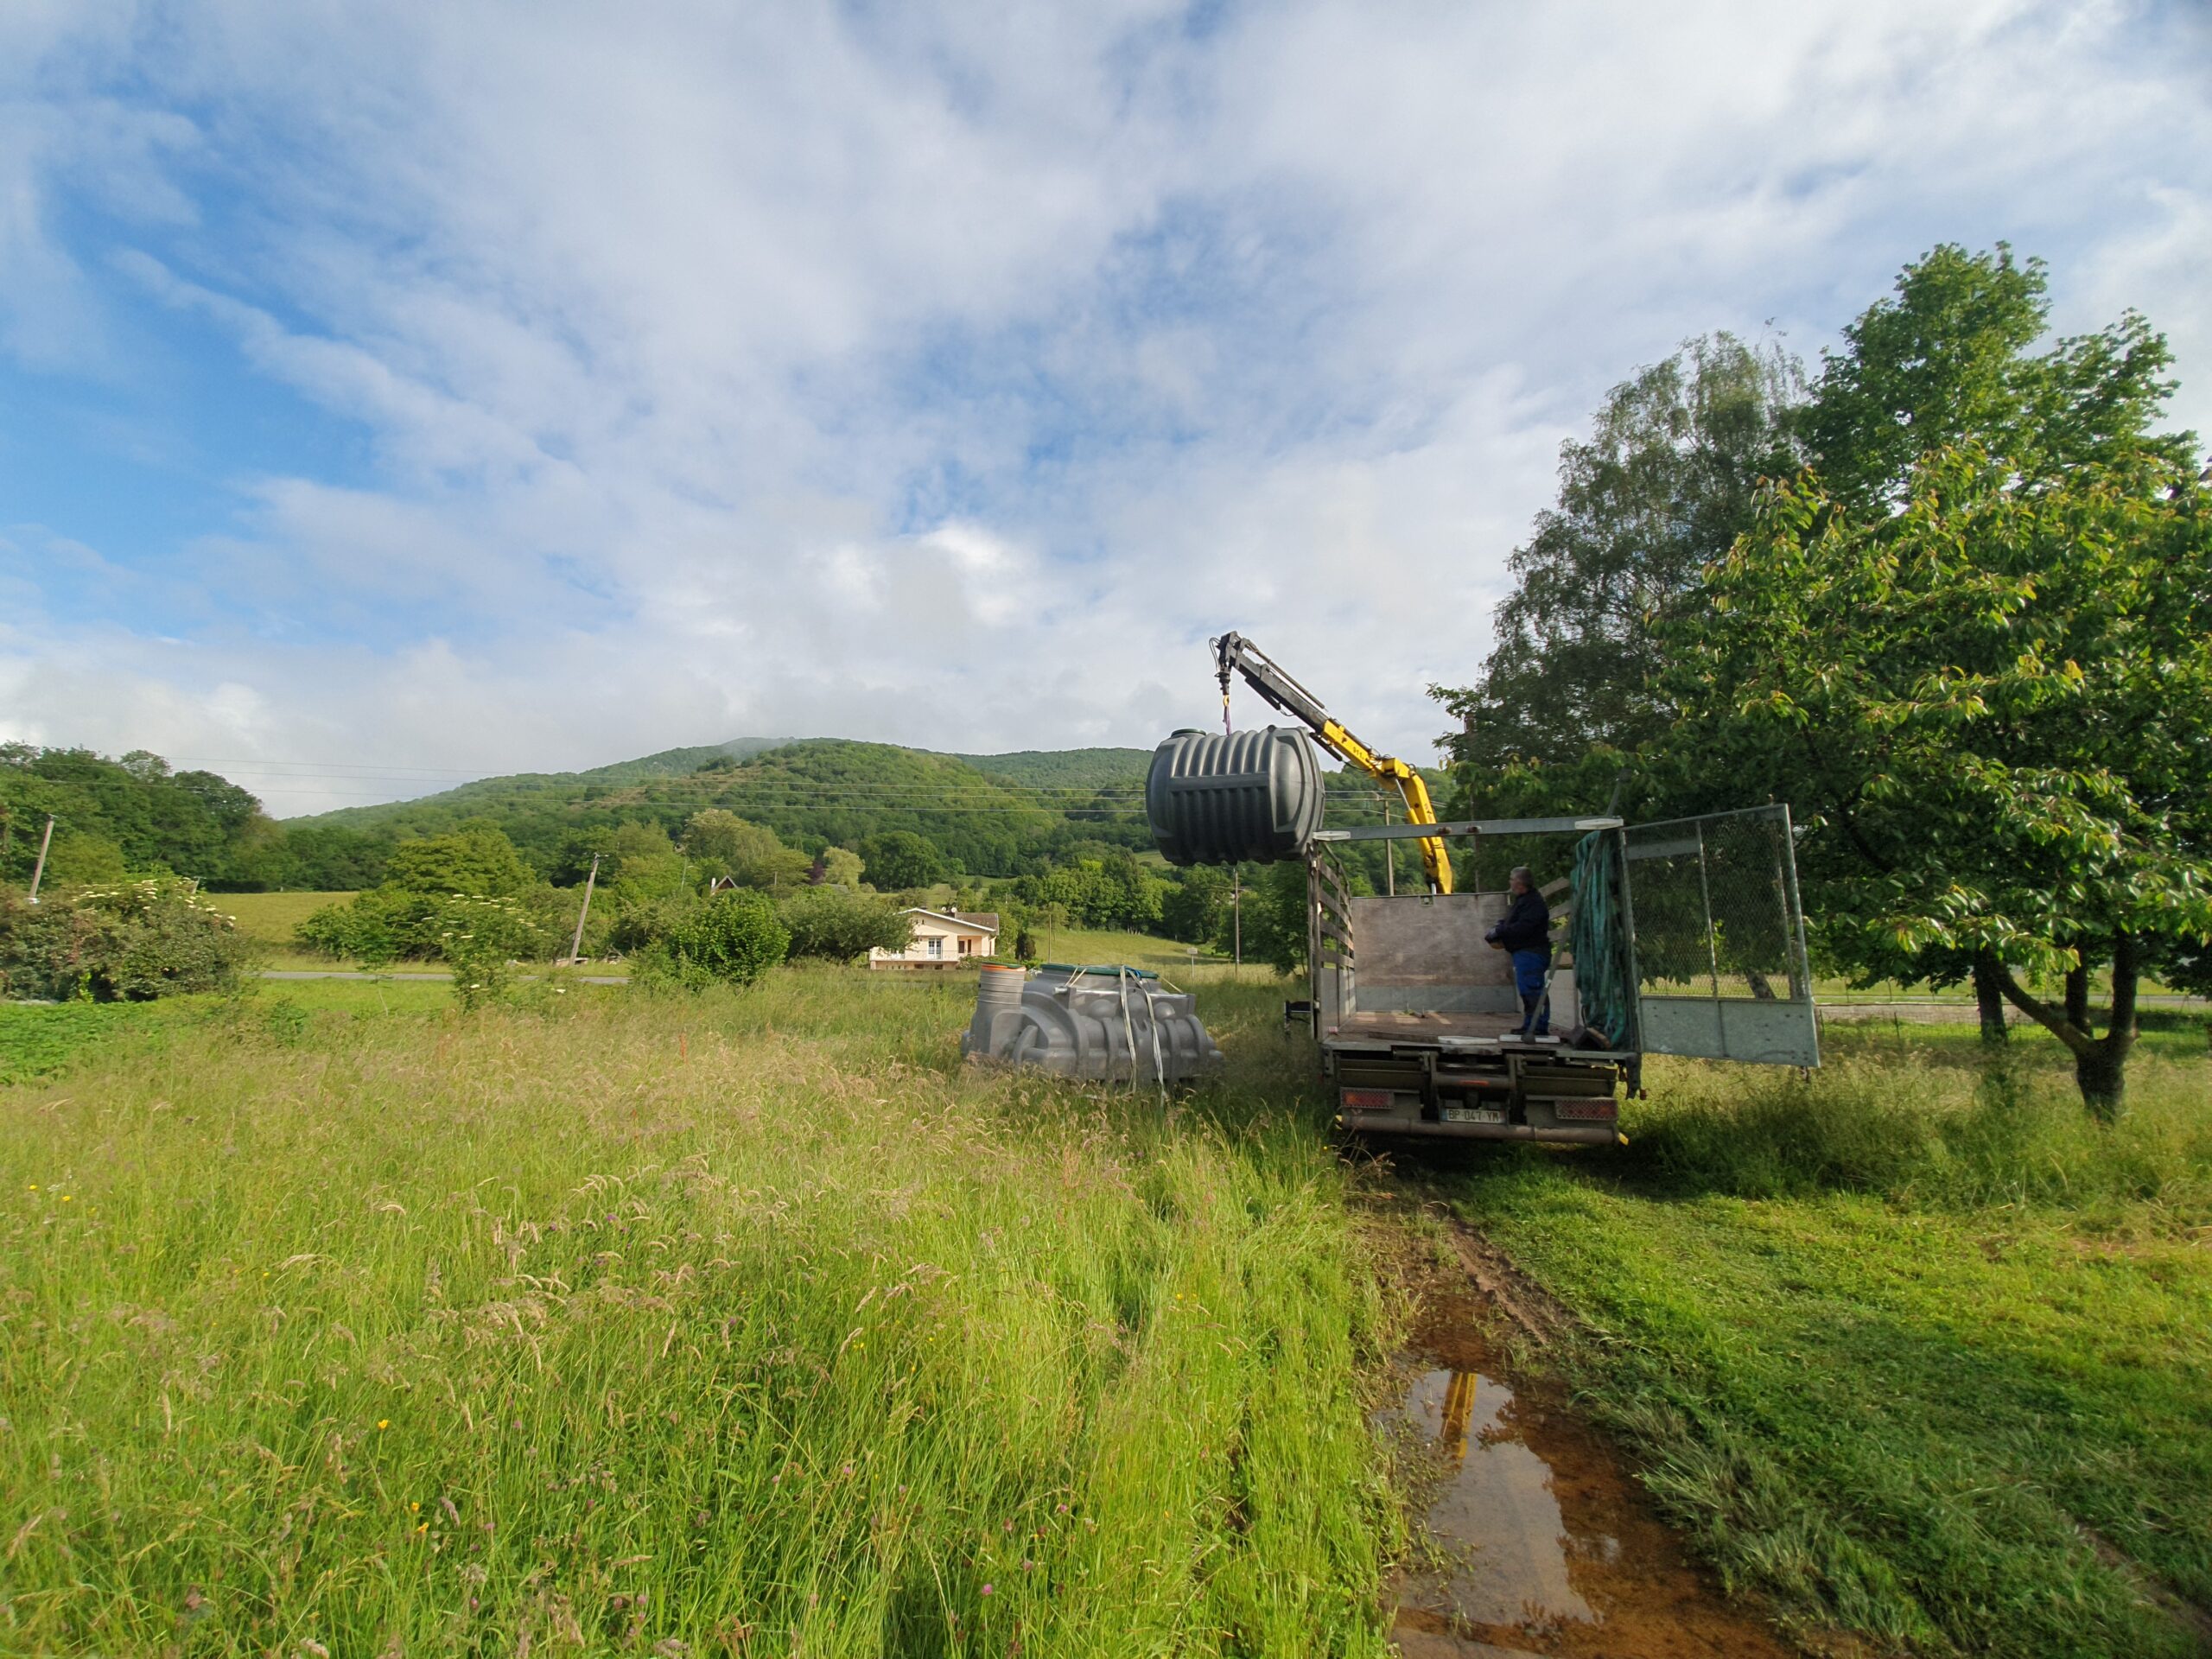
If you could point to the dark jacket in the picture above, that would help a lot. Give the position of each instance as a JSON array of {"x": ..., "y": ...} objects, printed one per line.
[{"x": 1527, "y": 926}]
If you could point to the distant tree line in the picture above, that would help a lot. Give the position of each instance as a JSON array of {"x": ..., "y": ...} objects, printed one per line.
[
  {"x": 921, "y": 819},
  {"x": 499, "y": 866}
]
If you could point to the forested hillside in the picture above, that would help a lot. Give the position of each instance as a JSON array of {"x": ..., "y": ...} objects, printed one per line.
[
  {"x": 817, "y": 793},
  {"x": 1118, "y": 769},
  {"x": 976, "y": 817}
]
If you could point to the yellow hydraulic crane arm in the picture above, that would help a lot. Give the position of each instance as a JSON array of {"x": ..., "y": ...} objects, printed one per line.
[{"x": 1233, "y": 654}]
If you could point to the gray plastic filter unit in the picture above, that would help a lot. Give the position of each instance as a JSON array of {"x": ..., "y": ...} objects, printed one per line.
[
  {"x": 1097, "y": 1024},
  {"x": 1214, "y": 798}
]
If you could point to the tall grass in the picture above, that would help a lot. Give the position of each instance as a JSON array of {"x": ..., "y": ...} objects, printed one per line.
[
  {"x": 1923, "y": 1123},
  {"x": 739, "y": 1325}
]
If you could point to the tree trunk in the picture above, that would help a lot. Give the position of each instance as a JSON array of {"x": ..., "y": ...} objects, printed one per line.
[
  {"x": 1989, "y": 999},
  {"x": 2101, "y": 1071},
  {"x": 2100, "y": 1063}
]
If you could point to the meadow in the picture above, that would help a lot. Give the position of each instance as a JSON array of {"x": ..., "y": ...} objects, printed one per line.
[
  {"x": 332, "y": 1318},
  {"x": 269, "y": 918},
  {"x": 734, "y": 1323}
]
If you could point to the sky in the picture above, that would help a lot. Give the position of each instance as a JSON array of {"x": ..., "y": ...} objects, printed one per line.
[{"x": 393, "y": 394}]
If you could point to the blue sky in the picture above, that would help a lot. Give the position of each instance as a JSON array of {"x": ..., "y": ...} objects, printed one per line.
[{"x": 390, "y": 394}]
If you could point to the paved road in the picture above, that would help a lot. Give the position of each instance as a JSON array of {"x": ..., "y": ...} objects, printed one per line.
[{"x": 1932, "y": 1011}]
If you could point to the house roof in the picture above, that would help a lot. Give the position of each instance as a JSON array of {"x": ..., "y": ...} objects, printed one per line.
[{"x": 983, "y": 921}]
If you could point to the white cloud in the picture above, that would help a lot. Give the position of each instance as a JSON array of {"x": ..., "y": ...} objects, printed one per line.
[{"x": 948, "y": 379}]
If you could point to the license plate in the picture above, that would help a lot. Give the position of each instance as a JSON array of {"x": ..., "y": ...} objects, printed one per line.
[{"x": 1473, "y": 1115}]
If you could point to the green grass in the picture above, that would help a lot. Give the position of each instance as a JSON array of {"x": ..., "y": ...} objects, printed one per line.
[
  {"x": 269, "y": 918},
  {"x": 761, "y": 1313},
  {"x": 751, "y": 1323},
  {"x": 1923, "y": 1357},
  {"x": 1128, "y": 950},
  {"x": 36, "y": 1040}
]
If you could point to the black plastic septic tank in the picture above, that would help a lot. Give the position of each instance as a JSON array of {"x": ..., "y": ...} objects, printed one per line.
[{"x": 1255, "y": 797}]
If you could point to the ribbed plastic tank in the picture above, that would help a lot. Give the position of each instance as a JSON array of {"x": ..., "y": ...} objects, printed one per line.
[
  {"x": 1251, "y": 798},
  {"x": 1098, "y": 1023}
]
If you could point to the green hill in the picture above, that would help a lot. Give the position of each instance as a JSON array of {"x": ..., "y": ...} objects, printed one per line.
[
  {"x": 492, "y": 793},
  {"x": 1024, "y": 813}
]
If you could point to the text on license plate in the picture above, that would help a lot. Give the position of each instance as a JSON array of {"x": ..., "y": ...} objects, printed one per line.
[{"x": 1473, "y": 1115}]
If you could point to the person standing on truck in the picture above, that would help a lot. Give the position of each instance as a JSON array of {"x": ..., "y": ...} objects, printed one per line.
[{"x": 1526, "y": 932}]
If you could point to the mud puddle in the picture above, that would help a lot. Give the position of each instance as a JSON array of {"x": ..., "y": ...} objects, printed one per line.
[{"x": 1538, "y": 1542}]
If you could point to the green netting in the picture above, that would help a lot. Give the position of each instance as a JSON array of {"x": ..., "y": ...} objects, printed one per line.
[{"x": 1600, "y": 962}]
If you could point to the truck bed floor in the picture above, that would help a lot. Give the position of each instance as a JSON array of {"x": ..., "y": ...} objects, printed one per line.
[{"x": 1425, "y": 1027}]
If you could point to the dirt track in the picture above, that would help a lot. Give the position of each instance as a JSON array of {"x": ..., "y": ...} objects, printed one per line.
[{"x": 1535, "y": 1543}]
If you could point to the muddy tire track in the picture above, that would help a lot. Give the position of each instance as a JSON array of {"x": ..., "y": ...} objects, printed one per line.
[{"x": 1532, "y": 1538}]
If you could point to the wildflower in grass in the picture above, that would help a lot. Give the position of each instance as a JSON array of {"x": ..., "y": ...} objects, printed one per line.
[
  {"x": 987, "y": 1590},
  {"x": 384, "y": 1422}
]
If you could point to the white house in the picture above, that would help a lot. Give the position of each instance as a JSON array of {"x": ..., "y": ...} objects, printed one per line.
[{"x": 942, "y": 939}]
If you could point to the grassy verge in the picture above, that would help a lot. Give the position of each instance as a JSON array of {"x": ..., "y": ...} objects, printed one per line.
[
  {"x": 1915, "y": 1356},
  {"x": 750, "y": 1324}
]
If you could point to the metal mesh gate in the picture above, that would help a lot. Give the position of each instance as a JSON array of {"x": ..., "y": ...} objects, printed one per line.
[{"x": 1719, "y": 938}]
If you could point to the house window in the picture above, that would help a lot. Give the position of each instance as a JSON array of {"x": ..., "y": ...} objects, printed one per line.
[
  {"x": 964, "y": 943},
  {"x": 937, "y": 946}
]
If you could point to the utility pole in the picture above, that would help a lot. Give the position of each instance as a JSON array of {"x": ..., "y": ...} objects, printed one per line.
[
  {"x": 576, "y": 945},
  {"x": 1236, "y": 915},
  {"x": 44, "y": 841},
  {"x": 1390, "y": 858}
]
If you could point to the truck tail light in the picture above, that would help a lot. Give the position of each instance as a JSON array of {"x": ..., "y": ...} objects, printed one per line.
[
  {"x": 1596, "y": 1109},
  {"x": 1372, "y": 1100}
]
